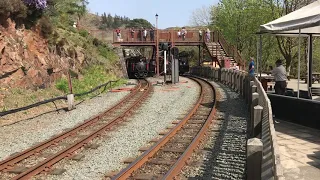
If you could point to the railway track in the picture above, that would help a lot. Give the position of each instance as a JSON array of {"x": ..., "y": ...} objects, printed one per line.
[
  {"x": 43, "y": 156},
  {"x": 167, "y": 156}
]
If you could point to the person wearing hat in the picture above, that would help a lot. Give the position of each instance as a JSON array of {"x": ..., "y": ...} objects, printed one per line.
[{"x": 280, "y": 76}]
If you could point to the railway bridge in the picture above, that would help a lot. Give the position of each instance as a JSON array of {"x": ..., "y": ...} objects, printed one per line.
[{"x": 219, "y": 50}]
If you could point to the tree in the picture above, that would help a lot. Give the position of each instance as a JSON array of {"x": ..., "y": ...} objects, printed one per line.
[
  {"x": 138, "y": 23},
  {"x": 238, "y": 20},
  {"x": 201, "y": 16},
  {"x": 14, "y": 9},
  {"x": 287, "y": 45}
]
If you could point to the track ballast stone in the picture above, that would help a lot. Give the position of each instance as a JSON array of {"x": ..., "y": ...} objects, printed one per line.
[
  {"x": 24, "y": 134},
  {"x": 165, "y": 105},
  {"x": 223, "y": 156}
]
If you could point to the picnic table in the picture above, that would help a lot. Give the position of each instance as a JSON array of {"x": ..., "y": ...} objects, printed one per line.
[{"x": 264, "y": 81}]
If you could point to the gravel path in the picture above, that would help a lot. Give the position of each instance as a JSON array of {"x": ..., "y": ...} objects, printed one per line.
[
  {"x": 22, "y": 135},
  {"x": 165, "y": 105},
  {"x": 223, "y": 156}
]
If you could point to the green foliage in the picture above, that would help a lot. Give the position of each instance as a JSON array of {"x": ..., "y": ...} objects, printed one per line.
[
  {"x": 93, "y": 76},
  {"x": 62, "y": 85},
  {"x": 14, "y": 9},
  {"x": 46, "y": 27},
  {"x": 240, "y": 20},
  {"x": 83, "y": 33},
  {"x": 66, "y": 12},
  {"x": 113, "y": 22},
  {"x": 192, "y": 54},
  {"x": 107, "y": 53},
  {"x": 96, "y": 42},
  {"x": 138, "y": 23}
]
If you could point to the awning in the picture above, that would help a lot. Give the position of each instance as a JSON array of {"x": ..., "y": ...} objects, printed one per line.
[{"x": 306, "y": 18}]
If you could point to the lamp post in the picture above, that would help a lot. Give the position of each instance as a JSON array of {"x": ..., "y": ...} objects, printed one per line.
[{"x": 157, "y": 47}]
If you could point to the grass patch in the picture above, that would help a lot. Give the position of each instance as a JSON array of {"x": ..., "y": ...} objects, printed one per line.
[
  {"x": 92, "y": 77},
  {"x": 62, "y": 85},
  {"x": 107, "y": 53},
  {"x": 18, "y": 97}
]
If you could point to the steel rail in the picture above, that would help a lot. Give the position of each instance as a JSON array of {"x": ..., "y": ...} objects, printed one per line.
[
  {"x": 46, "y": 164},
  {"x": 142, "y": 159},
  {"x": 9, "y": 162},
  {"x": 176, "y": 168}
]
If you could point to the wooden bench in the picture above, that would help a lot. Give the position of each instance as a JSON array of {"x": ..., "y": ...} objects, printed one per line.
[{"x": 315, "y": 91}]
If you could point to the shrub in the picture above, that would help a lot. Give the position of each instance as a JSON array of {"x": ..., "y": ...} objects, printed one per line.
[
  {"x": 71, "y": 51},
  {"x": 62, "y": 42},
  {"x": 45, "y": 25},
  {"x": 62, "y": 85},
  {"x": 14, "y": 9},
  {"x": 103, "y": 26},
  {"x": 107, "y": 53},
  {"x": 72, "y": 29},
  {"x": 96, "y": 42},
  {"x": 103, "y": 51},
  {"x": 83, "y": 33}
]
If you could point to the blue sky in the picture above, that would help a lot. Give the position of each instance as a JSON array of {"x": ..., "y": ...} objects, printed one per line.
[{"x": 171, "y": 12}]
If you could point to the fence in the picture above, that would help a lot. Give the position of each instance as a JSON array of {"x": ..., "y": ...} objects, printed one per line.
[
  {"x": 262, "y": 148},
  {"x": 55, "y": 99}
]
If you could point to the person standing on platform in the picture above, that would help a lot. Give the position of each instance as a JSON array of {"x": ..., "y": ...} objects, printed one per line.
[
  {"x": 179, "y": 34},
  {"x": 145, "y": 33},
  {"x": 183, "y": 33},
  {"x": 280, "y": 77},
  {"x": 152, "y": 34},
  {"x": 118, "y": 32},
  {"x": 200, "y": 35},
  {"x": 208, "y": 35},
  {"x": 132, "y": 33},
  {"x": 251, "y": 67}
]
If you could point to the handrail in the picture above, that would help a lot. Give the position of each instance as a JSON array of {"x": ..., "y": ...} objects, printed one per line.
[
  {"x": 3, "y": 113},
  {"x": 230, "y": 49},
  {"x": 192, "y": 36}
]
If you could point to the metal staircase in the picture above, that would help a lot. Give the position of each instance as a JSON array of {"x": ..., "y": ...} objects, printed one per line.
[
  {"x": 217, "y": 52},
  {"x": 219, "y": 49}
]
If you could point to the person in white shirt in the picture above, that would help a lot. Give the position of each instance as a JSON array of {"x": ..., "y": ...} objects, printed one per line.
[
  {"x": 145, "y": 34},
  {"x": 179, "y": 34},
  {"x": 280, "y": 77},
  {"x": 200, "y": 35},
  {"x": 208, "y": 35}
]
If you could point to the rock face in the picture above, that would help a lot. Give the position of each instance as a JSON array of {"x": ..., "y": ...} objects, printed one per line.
[{"x": 27, "y": 62}]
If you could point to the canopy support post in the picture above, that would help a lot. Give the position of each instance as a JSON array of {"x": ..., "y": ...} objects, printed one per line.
[
  {"x": 260, "y": 53},
  {"x": 310, "y": 62},
  {"x": 299, "y": 56}
]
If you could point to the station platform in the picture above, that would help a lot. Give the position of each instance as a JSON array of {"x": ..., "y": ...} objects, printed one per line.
[{"x": 299, "y": 148}]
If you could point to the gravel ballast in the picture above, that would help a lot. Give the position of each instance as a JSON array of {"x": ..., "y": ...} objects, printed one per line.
[
  {"x": 24, "y": 134},
  {"x": 223, "y": 156},
  {"x": 166, "y": 104}
]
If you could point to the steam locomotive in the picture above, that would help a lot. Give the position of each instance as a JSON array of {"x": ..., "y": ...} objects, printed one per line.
[
  {"x": 183, "y": 65},
  {"x": 140, "y": 67}
]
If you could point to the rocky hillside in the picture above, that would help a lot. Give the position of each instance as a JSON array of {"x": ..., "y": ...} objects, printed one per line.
[
  {"x": 25, "y": 59},
  {"x": 28, "y": 61}
]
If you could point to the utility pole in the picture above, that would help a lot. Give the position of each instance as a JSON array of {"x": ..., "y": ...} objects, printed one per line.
[
  {"x": 165, "y": 66},
  {"x": 157, "y": 47}
]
